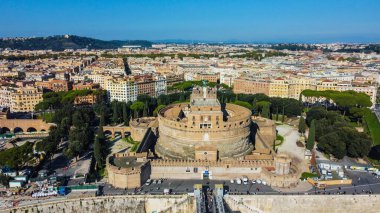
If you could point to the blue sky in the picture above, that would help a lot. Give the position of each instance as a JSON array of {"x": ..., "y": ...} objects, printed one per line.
[{"x": 216, "y": 20}]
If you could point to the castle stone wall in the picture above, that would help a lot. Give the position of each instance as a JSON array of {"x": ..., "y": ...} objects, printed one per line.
[
  {"x": 115, "y": 204},
  {"x": 304, "y": 203},
  {"x": 178, "y": 138}
]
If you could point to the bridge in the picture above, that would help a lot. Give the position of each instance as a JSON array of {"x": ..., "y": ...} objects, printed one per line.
[
  {"x": 117, "y": 129},
  {"x": 24, "y": 125}
]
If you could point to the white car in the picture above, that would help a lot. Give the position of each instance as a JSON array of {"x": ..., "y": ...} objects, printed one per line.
[
  {"x": 238, "y": 181},
  {"x": 253, "y": 181},
  {"x": 264, "y": 183},
  {"x": 232, "y": 181},
  {"x": 154, "y": 181},
  {"x": 245, "y": 180},
  {"x": 148, "y": 182},
  {"x": 258, "y": 181}
]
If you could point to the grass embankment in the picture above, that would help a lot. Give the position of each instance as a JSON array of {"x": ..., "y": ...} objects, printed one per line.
[
  {"x": 373, "y": 126},
  {"x": 279, "y": 140},
  {"x": 135, "y": 144}
]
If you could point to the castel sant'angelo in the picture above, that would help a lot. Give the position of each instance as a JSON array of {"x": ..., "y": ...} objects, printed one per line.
[
  {"x": 202, "y": 139},
  {"x": 204, "y": 122}
]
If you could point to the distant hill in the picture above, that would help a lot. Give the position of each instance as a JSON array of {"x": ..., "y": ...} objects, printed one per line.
[{"x": 59, "y": 43}]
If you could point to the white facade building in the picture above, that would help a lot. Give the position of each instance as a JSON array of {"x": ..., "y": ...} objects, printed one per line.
[
  {"x": 121, "y": 90},
  {"x": 160, "y": 85}
]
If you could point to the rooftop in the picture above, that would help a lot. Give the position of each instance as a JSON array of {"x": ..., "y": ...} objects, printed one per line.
[{"x": 127, "y": 162}]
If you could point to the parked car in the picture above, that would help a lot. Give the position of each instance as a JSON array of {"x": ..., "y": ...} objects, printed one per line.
[
  {"x": 238, "y": 181},
  {"x": 148, "y": 182},
  {"x": 245, "y": 180}
]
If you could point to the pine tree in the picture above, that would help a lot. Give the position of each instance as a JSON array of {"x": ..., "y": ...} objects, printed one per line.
[{"x": 311, "y": 138}]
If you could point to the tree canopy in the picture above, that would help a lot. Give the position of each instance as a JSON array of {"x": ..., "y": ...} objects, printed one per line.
[
  {"x": 336, "y": 136},
  {"x": 343, "y": 99}
]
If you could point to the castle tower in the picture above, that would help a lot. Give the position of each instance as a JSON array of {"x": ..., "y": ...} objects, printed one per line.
[{"x": 282, "y": 164}]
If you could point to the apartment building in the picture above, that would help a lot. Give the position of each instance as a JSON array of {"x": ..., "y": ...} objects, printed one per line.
[
  {"x": 279, "y": 87},
  {"x": 6, "y": 96},
  {"x": 145, "y": 85},
  {"x": 160, "y": 85},
  {"x": 172, "y": 79},
  {"x": 297, "y": 85},
  {"x": 246, "y": 85},
  {"x": 55, "y": 85},
  {"x": 83, "y": 86},
  {"x": 121, "y": 89},
  {"x": 192, "y": 68},
  {"x": 292, "y": 87},
  {"x": 371, "y": 91},
  {"x": 22, "y": 99},
  {"x": 210, "y": 77}
]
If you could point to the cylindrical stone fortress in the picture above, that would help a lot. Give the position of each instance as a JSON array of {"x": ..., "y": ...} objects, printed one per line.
[{"x": 203, "y": 122}]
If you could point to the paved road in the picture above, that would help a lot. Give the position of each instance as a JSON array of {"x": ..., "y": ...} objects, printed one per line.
[
  {"x": 367, "y": 183},
  {"x": 186, "y": 186},
  {"x": 363, "y": 183}
]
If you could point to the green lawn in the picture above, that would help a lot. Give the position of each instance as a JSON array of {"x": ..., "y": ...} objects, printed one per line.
[
  {"x": 373, "y": 125},
  {"x": 47, "y": 116},
  {"x": 307, "y": 175}
]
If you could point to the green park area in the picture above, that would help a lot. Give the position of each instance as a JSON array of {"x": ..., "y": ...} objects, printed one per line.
[
  {"x": 373, "y": 127},
  {"x": 337, "y": 127}
]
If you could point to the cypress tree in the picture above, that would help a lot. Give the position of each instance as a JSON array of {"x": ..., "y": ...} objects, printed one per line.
[
  {"x": 125, "y": 114},
  {"x": 98, "y": 153},
  {"x": 145, "y": 110},
  {"x": 277, "y": 114},
  {"x": 283, "y": 115},
  {"x": 265, "y": 111},
  {"x": 302, "y": 126},
  {"x": 311, "y": 138},
  {"x": 115, "y": 115}
]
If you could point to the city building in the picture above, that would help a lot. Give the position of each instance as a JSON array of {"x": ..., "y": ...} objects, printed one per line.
[
  {"x": 55, "y": 85},
  {"x": 121, "y": 89},
  {"x": 22, "y": 99}
]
